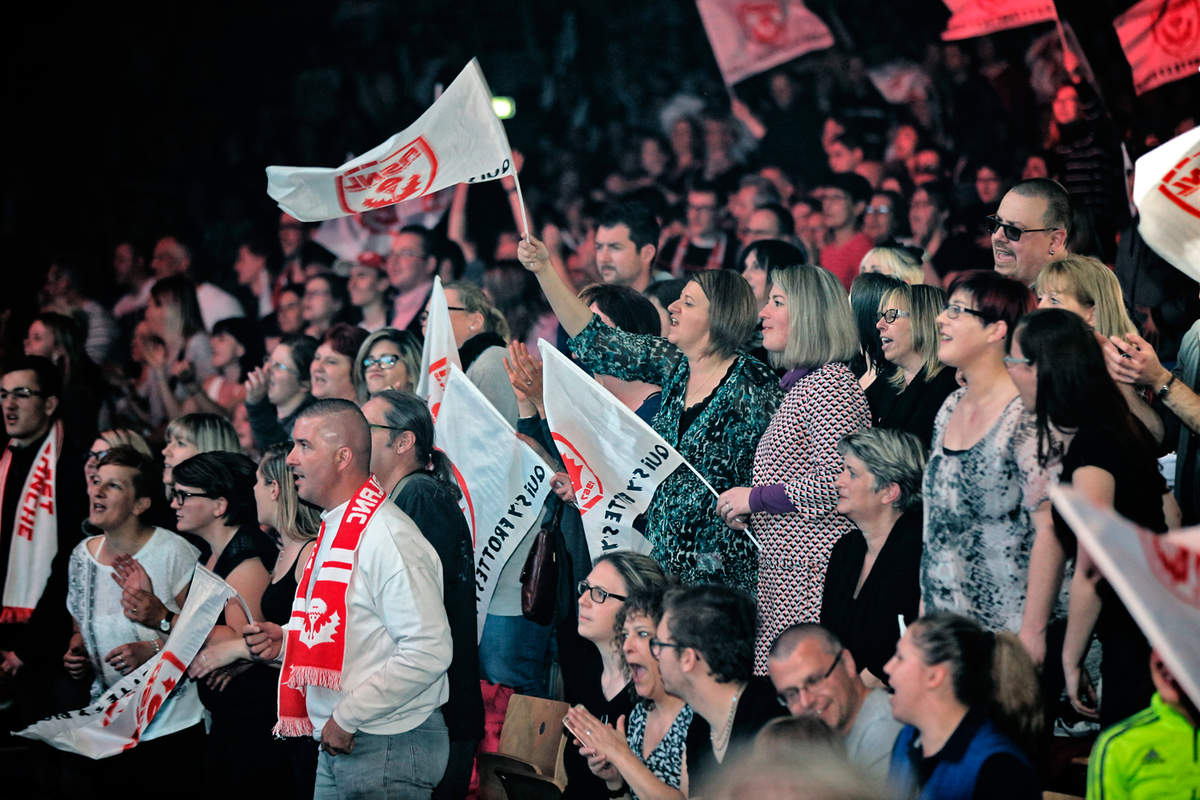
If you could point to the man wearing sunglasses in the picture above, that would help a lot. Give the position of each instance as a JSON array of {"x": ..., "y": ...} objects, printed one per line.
[
  {"x": 41, "y": 505},
  {"x": 815, "y": 676},
  {"x": 1030, "y": 228}
]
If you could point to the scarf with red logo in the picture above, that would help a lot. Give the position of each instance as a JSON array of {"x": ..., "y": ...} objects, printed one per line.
[
  {"x": 315, "y": 643},
  {"x": 35, "y": 530}
]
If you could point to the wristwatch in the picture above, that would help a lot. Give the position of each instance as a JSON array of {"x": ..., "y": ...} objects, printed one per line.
[
  {"x": 165, "y": 624},
  {"x": 1161, "y": 394}
]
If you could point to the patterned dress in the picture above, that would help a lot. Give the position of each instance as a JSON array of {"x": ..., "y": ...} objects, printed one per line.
[
  {"x": 688, "y": 538},
  {"x": 978, "y": 526},
  {"x": 799, "y": 450},
  {"x": 666, "y": 760}
]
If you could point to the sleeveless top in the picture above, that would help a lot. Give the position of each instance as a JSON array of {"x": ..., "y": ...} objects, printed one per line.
[
  {"x": 279, "y": 595},
  {"x": 666, "y": 760}
]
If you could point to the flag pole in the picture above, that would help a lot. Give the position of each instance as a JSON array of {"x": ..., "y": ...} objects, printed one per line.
[
  {"x": 708, "y": 486},
  {"x": 521, "y": 202}
]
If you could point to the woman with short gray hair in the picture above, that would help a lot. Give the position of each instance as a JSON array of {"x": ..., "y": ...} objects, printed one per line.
[{"x": 874, "y": 570}]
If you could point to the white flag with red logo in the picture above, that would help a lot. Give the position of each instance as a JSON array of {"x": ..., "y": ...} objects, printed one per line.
[
  {"x": 504, "y": 483},
  {"x": 1161, "y": 40},
  {"x": 615, "y": 460},
  {"x": 117, "y": 720},
  {"x": 372, "y": 231},
  {"x": 459, "y": 139},
  {"x": 752, "y": 37},
  {"x": 971, "y": 18},
  {"x": 1155, "y": 575},
  {"x": 1166, "y": 189},
  {"x": 439, "y": 351}
]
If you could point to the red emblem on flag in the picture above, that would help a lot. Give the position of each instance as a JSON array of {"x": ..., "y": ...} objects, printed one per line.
[
  {"x": 762, "y": 22},
  {"x": 588, "y": 490},
  {"x": 1176, "y": 568},
  {"x": 1182, "y": 184},
  {"x": 1177, "y": 27},
  {"x": 408, "y": 171}
]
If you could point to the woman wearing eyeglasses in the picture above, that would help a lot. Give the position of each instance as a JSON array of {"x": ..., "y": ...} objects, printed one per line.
[
  {"x": 1058, "y": 367},
  {"x": 909, "y": 398},
  {"x": 984, "y": 477},
  {"x": 107, "y": 441},
  {"x": 279, "y": 390},
  {"x": 599, "y": 680},
  {"x": 646, "y": 753},
  {"x": 388, "y": 359}
]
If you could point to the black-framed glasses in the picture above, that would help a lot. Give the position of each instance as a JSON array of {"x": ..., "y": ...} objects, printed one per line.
[
  {"x": 387, "y": 361},
  {"x": 597, "y": 594},
  {"x": 656, "y": 646},
  {"x": 21, "y": 393},
  {"x": 424, "y": 315},
  {"x": 1016, "y": 360},
  {"x": 385, "y": 427},
  {"x": 889, "y": 315},
  {"x": 180, "y": 496},
  {"x": 1011, "y": 232},
  {"x": 954, "y": 310},
  {"x": 810, "y": 683}
]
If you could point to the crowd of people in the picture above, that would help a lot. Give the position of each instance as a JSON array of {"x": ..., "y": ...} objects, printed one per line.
[{"x": 882, "y": 350}]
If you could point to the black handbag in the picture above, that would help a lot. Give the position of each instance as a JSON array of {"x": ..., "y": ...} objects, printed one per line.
[{"x": 539, "y": 576}]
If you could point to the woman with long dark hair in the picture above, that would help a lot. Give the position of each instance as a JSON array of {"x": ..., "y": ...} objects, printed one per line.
[
  {"x": 185, "y": 355},
  {"x": 1058, "y": 367}
]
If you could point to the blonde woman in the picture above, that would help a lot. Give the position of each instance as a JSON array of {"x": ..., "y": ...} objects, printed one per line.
[
  {"x": 388, "y": 359},
  {"x": 895, "y": 261},
  {"x": 196, "y": 433}
]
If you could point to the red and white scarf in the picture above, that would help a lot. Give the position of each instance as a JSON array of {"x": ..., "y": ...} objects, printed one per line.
[
  {"x": 35, "y": 530},
  {"x": 315, "y": 645}
]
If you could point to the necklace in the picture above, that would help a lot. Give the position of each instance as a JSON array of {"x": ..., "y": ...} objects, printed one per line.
[{"x": 720, "y": 743}]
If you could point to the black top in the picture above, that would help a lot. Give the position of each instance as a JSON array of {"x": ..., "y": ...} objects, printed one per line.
[
  {"x": 279, "y": 596},
  {"x": 432, "y": 506},
  {"x": 914, "y": 408},
  {"x": 1125, "y": 666},
  {"x": 867, "y": 624},
  {"x": 1001, "y": 777},
  {"x": 756, "y": 707},
  {"x": 581, "y": 686}
]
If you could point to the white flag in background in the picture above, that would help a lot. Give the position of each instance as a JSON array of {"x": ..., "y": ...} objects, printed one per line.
[
  {"x": 1156, "y": 578},
  {"x": 503, "y": 481},
  {"x": 614, "y": 459},
  {"x": 439, "y": 351},
  {"x": 1166, "y": 189},
  {"x": 752, "y": 37},
  {"x": 117, "y": 720},
  {"x": 459, "y": 139}
]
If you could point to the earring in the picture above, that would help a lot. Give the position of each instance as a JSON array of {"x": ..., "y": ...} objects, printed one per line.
[{"x": 1051, "y": 251}]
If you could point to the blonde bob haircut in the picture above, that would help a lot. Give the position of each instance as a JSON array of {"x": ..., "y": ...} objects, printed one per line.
[
  {"x": 472, "y": 298},
  {"x": 894, "y": 261},
  {"x": 208, "y": 432},
  {"x": 821, "y": 327},
  {"x": 923, "y": 304},
  {"x": 732, "y": 310},
  {"x": 1093, "y": 285}
]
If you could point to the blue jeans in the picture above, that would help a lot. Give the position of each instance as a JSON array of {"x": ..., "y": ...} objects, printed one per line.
[
  {"x": 399, "y": 765},
  {"x": 515, "y": 652}
]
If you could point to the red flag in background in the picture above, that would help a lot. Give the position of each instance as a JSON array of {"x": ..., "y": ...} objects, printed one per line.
[
  {"x": 970, "y": 18},
  {"x": 1161, "y": 40},
  {"x": 750, "y": 37}
]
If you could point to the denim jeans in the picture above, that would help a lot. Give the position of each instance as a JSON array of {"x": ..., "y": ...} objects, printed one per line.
[
  {"x": 515, "y": 652},
  {"x": 399, "y": 765}
]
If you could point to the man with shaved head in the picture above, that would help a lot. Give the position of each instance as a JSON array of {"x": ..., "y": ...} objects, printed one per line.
[{"x": 368, "y": 644}]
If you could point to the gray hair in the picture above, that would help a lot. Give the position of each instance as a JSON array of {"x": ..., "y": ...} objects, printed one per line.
[{"x": 892, "y": 456}]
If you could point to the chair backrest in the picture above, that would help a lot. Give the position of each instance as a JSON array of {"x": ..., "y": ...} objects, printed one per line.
[
  {"x": 533, "y": 732},
  {"x": 489, "y": 765},
  {"x": 521, "y": 786}
]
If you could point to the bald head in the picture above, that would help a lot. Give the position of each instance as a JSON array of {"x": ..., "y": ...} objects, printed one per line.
[{"x": 331, "y": 452}]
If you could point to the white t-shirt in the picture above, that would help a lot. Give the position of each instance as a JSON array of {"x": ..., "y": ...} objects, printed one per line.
[{"x": 94, "y": 600}]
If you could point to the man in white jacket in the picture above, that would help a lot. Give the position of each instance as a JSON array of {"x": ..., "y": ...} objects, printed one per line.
[{"x": 380, "y": 727}]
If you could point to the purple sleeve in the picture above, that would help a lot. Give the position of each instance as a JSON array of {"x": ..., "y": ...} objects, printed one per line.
[{"x": 772, "y": 499}]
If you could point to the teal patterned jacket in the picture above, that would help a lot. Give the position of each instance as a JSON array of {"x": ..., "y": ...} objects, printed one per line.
[{"x": 689, "y": 539}]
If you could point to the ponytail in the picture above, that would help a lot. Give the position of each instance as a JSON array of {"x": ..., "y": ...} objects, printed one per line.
[{"x": 441, "y": 469}]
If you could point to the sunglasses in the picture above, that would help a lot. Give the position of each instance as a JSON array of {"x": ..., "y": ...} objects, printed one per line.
[
  {"x": 386, "y": 361},
  {"x": 1011, "y": 232}
]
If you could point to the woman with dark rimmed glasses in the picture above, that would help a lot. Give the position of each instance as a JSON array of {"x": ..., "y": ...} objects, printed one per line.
[{"x": 989, "y": 545}]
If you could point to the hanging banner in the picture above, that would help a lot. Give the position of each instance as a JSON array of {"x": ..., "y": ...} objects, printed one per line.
[
  {"x": 971, "y": 18},
  {"x": 458, "y": 139},
  {"x": 1166, "y": 190},
  {"x": 116, "y": 721},
  {"x": 439, "y": 352},
  {"x": 752, "y": 37},
  {"x": 504, "y": 482},
  {"x": 615, "y": 460},
  {"x": 1161, "y": 40}
]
